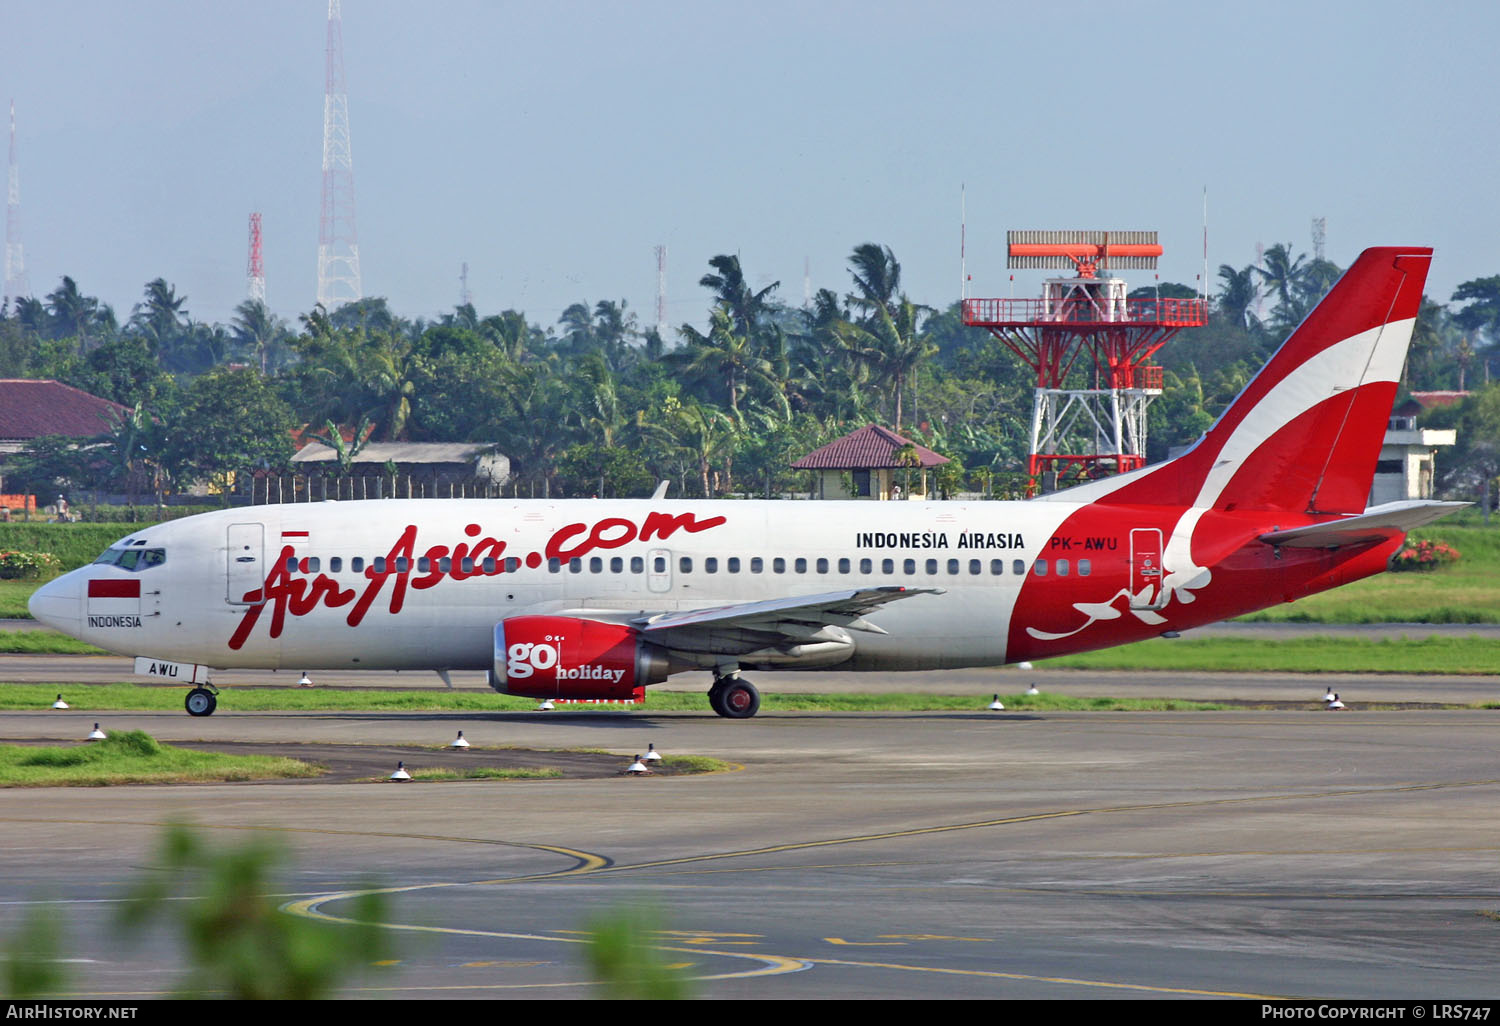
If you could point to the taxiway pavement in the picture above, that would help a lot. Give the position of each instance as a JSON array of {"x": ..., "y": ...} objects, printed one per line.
[{"x": 1057, "y": 855}]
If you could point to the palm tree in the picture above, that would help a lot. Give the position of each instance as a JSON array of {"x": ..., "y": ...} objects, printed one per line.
[
  {"x": 389, "y": 370},
  {"x": 257, "y": 330},
  {"x": 30, "y": 312},
  {"x": 595, "y": 404},
  {"x": 344, "y": 451},
  {"x": 537, "y": 399},
  {"x": 892, "y": 345},
  {"x": 72, "y": 313},
  {"x": 463, "y": 316},
  {"x": 613, "y": 328},
  {"x": 731, "y": 291},
  {"x": 876, "y": 274},
  {"x": 159, "y": 317},
  {"x": 577, "y": 324},
  {"x": 1238, "y": 294},
  {"x": 707, "y": 434},
  {"x": 725, "y": 354},
  {"x": 511, "y": 334},
  {"x": 907, "y": 457},
  {"x": 1281, "y": 273}
]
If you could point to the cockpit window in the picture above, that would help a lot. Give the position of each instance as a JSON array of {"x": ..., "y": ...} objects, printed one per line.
[{"x": 132, "y": 559}]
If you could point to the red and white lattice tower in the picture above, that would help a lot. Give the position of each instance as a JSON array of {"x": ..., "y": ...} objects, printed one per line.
[
  {"x": 17, "y": 284},
  {"x": 661, "y": 292},
  {"x": 255, "y": 268},
  {"x": 1086, "y": 428},
  {"x": 338, "y": 242}
]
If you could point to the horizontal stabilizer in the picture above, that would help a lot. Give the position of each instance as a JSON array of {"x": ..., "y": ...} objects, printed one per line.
[{"x": 1374, "y": 524}]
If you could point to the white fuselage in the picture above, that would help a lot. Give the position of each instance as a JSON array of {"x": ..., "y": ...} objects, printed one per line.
[{"x": 615, "y": 559}]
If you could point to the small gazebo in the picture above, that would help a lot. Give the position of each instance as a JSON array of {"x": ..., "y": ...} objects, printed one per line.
[{"x": 871, "y": 463}]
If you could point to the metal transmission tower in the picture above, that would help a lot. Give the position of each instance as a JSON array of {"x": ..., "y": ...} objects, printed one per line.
[
  {"x": 255, "y": 267},
  {"x": 1319, "y": 236},
  {"x": 1086, "y": 432},
  {"x": 661, "y": 293},
  {"x": 17, "y": 284},
  {"x": 338, "y": 242}
]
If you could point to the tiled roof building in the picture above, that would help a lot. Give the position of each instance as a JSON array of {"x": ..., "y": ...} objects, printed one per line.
[
  {"x": 31, "y": 408},
  {"x": 869, "y": 457}
]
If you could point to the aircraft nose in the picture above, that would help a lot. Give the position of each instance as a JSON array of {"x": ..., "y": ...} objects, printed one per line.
[{"x": 59, "y": 604}]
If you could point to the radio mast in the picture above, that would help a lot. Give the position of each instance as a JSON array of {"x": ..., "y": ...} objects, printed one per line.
[
  {"x": 255, "y": 268},
  {"x": 16, "y": 283},
  {"x": 338, "y": 242}
]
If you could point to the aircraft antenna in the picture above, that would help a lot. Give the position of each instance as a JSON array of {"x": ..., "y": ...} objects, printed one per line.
[{"x": 338, "y": 241}]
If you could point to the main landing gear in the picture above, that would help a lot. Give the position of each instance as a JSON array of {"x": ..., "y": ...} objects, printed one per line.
[
  {"x": 201, "y": 702},
  {"x": 734, "y": 698}
]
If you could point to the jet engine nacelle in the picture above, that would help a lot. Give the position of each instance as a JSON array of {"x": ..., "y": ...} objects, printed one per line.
[{"x": 568, "y": 657}]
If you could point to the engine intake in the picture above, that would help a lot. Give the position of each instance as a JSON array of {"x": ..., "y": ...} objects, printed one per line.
[{"x": 568, "y": 657}]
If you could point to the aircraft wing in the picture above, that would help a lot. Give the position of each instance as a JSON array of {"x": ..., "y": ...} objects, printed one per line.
[
  {"x": 1374, "y": 524},
  {"x": 782, "y": 619}
]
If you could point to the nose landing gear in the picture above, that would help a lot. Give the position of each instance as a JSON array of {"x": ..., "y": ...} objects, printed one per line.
[{"x": 201, "y": 702}]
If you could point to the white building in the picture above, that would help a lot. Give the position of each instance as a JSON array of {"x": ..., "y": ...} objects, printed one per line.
[{"x": 1408, "y": 456}]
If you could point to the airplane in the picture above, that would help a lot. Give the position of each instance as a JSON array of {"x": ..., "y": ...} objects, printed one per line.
[{"x": 593, "y": 600}]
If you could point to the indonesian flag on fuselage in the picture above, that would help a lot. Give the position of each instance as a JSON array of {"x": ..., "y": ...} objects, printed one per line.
[{"x": 114, "y": 597}]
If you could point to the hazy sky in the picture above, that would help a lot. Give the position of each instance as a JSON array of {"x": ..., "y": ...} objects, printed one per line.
[{"x": 553, "y": 145}]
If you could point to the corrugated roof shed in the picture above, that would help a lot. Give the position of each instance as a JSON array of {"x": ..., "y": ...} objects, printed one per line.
[
  {"x": 398, "y": 452},
  {"x": 870, "y": 448},
  {"x": 31, "y": 408}
]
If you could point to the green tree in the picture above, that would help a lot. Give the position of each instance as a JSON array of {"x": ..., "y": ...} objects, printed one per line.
[
  {"x": 1237, "y": 294},
  {"x": 159, "y": 318},
  {"x": 1473, "y": 466},
  {"x": 124, "y": 370},
  {"x": 1482, "y": 314},
  {"x": 260, "y": 334},
  {"x": 1281, "y": 272},
  {"x": 603, "y": 471},
  {"x": 52, "y": 465},
  {"x": 614, "y": 328},
  {"x": 893, "y": 345},
  {"x": 707, "y": 435},
  {"x": 231, "y": 421},
  {"x": 876, "y": 274},
  {"x": 747, "y": 307},
  {"x": 344, "y": 452},
  {"x": 71, "y": 314},
  {"x": 726, "y": 354}
]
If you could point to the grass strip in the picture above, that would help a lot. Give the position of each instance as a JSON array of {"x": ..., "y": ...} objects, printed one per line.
[
  {"x": 1448, "y": 655},
  {"x": 152, "y": 698},
  {"x": 134, "y": 757},
  {"x": 45, "y": 642},
  {"x": 486, "y": 773}
]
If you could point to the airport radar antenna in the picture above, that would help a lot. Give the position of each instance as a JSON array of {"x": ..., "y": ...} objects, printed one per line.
[{"x": 1088, "y": 344}]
